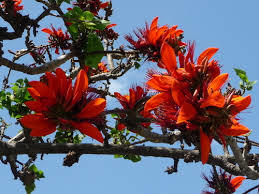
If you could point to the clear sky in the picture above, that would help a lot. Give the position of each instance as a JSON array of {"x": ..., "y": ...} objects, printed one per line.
[{"x": 231, "y": 25}]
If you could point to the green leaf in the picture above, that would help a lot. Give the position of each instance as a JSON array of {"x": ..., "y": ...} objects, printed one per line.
[
  {"x": 73, "y": 30},
  {"x": 88, "y": 15},
  {"x": 241, "y": 74},
  {"x": 244, "y": 84},
  {"x": 101, "y": 24},
  {"x": 33, "y": 168},
  {"x": 113, "y": 115},
  {"x": 40, "y": 174},
  {"x": 137, "y": 65},
  {"x": 30, "y": 188},
  {"x": 78, "y": 138},
  {"x": 94, "y": 43},
  {"x": 118, "y": 156}
]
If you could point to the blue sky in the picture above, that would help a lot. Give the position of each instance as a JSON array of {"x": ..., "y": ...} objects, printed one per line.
[{"x": 232, "y": 26}]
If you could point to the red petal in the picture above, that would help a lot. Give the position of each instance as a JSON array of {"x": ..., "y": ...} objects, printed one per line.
[
  {"x": 205, "y": 142},
  {"x": 89, "y": 130},
  {"x": 80, "y": 87},
  {"x": 154, "y": 23},
  {"x": 104, "y": 5},
  {"x": 47, "y": 30},
  {"x": 168, "y": 57},
  {"x": 207, "y": 53},
  {"x": 187, "y": 112},
  {"x": 234, "y": 130},
  {"x": 177, "y": 94},
  {"x": 217, "y": 83},
  {"x": 156, "y": 100},
  {"x": 161, "y": 83},
  {"x": 237, "y": 181},
  {"x": 42, "y": 88},
  {"x": 39, "y": 125},
  {"x": 121, "y": 126},
  {"x": 240, "y": 103},
  {"x": 139, "y": 93},
  {"x": 111, "y": 25},
  {"x": 36, "y": 106},
  {"x": 34, "y": 93},
  {"x": 52, "y": 82},
  {"x": 92, "y": 109},
  {"x": 215, "y": 99},
  {"x": 132, "y": 99},
  {"x": 62, "y": 82},
  {"x": 122, "y": 99}
]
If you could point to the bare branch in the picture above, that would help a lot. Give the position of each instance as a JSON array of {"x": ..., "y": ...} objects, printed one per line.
[
  {"x": 188, "y": 155},
  {"x": 50, "y": 66}
]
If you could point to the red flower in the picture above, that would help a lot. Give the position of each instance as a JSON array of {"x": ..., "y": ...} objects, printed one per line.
[
  {"x": 16, "y": 5},
  {"x": 222, "y": 183},
  {"x": 58, "y": 103},
  {"x": 133, "y": 104},
  {"x": 190, "y": 97},
  {"x": 108, "y": 32},
  {"x": 93, "y": 6},
  {"x": 102, "y": 67},
  {"x": 215, "y": 114},
  {"x": 58, "y": 39},
  {"x": 150, "y": 40}
]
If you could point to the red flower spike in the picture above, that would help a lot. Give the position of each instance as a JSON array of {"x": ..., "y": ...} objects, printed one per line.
[
  {"x": 58, "y": 39},
  {"x": 93, "y": 6},
  {"x": 222, "y": 183},
  {"x": 151, "y": 39},
  {"x": 59, "y": 104},
  {"x": 133, "y": 102},
  {"x": 16, "y": 6}
]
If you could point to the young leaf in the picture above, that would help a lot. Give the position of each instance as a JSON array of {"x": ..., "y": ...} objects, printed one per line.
[
  {"x": 94, "y": 43},
  {"x": 30, "y": 188},
  {"x": 241, "y": 74}
]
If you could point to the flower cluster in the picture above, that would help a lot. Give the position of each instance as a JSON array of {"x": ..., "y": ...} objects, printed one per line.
[
  {"x": 93, "y": 6},
  {"x": 190, "y": 98},
  {"x": 58, "y": 39},
  {"x": 108, "y": 33},
  {"x": 58, "y": 103},
  {"x": 16, "y": 5},
  {"x": 223, "y": 183},
  {"x": 150, "y": 40},
  {"x": 133, "y": 105}
]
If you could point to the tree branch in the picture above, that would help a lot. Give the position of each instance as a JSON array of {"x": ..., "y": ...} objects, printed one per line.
[
  {"x": 50, "y": 66},
  {"x": 250, "y": 173},
  {"x": 224, "y": 162}
]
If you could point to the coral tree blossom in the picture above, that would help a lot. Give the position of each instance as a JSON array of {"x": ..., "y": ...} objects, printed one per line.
[
  {"x": 58, "y": 103},
  {"x": 133, "y": 105},
  {"x": 58, "y": 39},
  {"x": 16, "y": 5},
  {"x": 150, "y": 39},
  {"x": 196, "y": 100},
  {"x": 93, "y": 6},
  {"x": 223, "y": 183}
]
